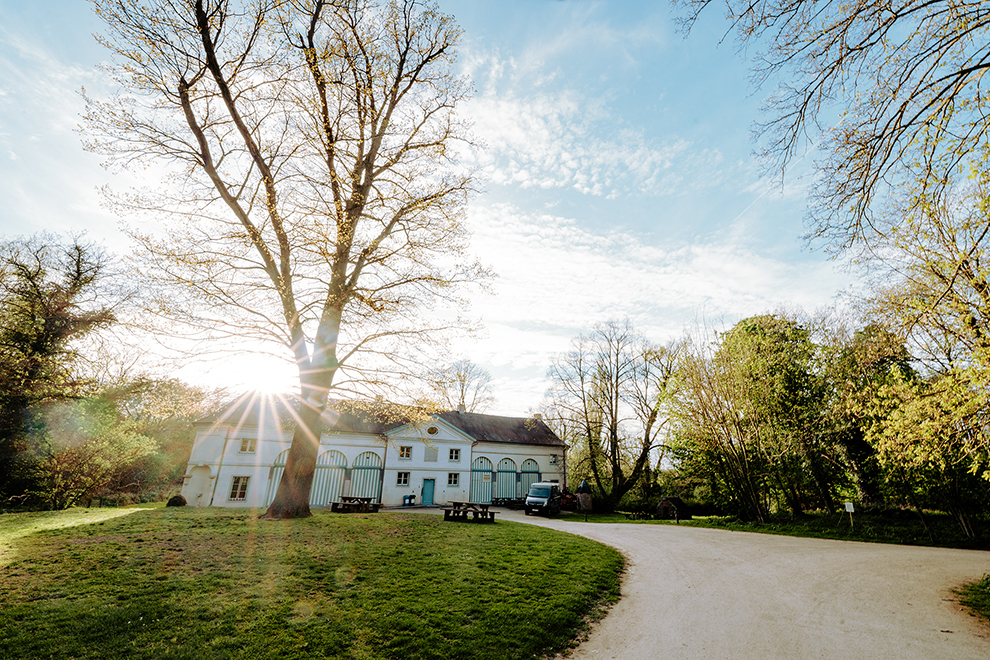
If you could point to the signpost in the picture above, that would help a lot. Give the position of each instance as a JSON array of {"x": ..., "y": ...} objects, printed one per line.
[
  {"x": 849, "y": 508},
  {"x": 584, "y": 497}
]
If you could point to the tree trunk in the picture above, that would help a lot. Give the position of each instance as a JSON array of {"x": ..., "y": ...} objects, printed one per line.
[{"x": 292, "y": 497}]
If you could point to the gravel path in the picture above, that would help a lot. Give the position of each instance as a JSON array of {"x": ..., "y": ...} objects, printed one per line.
[{"x": 705, "y": 593}]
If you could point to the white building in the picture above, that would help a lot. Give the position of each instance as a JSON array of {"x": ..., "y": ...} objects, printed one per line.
[{"x": 238, "y": 457}]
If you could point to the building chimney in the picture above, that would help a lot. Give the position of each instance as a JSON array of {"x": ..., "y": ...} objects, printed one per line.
[{"x": 461, "y": 408}]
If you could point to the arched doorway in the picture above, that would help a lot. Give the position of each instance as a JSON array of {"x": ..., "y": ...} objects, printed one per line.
[
  {"x": 328, "y": 482},
  {"x": 481, "y": 480},
  {"x": 366, "y": 476},
  {"x": 530, "y": 475},
  {"x": 197, "y": 489},
  {"x": 506, "y": 481}
]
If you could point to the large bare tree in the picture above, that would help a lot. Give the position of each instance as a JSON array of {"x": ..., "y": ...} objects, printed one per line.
[
  {"x": 892, "y": 92},
  {"x": 312, "y": 195},
  {"x": 462, "y": 383},
  {"x": 610, "y": 395}
]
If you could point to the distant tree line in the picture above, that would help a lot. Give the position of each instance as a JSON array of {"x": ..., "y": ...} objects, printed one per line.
[{"x": 777, "y": 414}]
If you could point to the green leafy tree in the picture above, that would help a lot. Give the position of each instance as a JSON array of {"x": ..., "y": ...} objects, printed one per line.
[
  {"x": 933, "y": 288},
  {"x": 165, "y": 410},
  {"x": 931, "y": 440},
  {"x": 52, "y": 294},
  {"x": 752, "y": 420},
  {"x": 79, "y": 448},
  {"x": 856, "y": 367}
]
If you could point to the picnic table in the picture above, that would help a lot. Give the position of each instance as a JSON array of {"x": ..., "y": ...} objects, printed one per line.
[
  {"x": 352, "y": 504},
  {"x": 477, "y": 511}
]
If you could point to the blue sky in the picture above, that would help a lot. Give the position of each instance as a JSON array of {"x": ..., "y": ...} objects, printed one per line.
[{"x": 618, "y": 175}]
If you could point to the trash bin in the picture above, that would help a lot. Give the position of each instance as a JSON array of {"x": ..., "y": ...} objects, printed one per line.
[
  {"x": 405, "y": 500},
  {"x": 412, "y": 500}
]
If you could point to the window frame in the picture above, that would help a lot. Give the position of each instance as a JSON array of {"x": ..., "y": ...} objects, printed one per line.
[
  {"x": 454, "y": 479},
  {"x": 238, "y": 488},
  {"x": 454, "y": 456},
  {"x": 405, "y": 452},
  {"x": 251, "y": 445},
  {"x": 402, "y": 478}
]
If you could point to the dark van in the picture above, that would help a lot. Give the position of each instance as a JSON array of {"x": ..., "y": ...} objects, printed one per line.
[{"x": 543, "y": 497}]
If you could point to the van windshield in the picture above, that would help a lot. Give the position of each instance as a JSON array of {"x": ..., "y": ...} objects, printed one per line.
[{"x": 540, "y": 491}]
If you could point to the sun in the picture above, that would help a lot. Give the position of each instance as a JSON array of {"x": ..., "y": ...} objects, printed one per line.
[
  {"x": 265, "y": 374},
  {"x": 249, "y": 372}
]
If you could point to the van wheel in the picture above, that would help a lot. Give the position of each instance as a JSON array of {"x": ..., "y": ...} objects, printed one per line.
[{"x": 528, "y": 512}]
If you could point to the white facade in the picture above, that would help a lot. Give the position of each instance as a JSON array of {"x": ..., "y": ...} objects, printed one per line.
[{"x": 240, "y": 465}]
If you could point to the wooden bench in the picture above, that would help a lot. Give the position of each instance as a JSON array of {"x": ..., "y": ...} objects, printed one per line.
[
  {"x": 468, "y": 511},
  {"x": 355, "y": 505}
]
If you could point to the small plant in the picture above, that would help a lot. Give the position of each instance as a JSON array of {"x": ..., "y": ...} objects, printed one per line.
[{"x": 976, "y": 596}]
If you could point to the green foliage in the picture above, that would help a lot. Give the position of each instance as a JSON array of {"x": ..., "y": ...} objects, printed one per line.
[
  {"x": 750, "y": 423},
  {"x": 188, "y": 583},
  {"x": 976, "y": 596},
  {"x": 773, "y": 420},
  {"x": 931, "y": 442},
  {"x": 52, "y": 294},
  {"x": 856, "y": 367},
  {"x": 163, "y": 410},
  {"x": 897, "y": 526},
  {"x": 79, "y": 448}
]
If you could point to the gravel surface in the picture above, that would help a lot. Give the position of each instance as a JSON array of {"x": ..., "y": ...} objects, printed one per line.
[{"x": 707, "y": 593}]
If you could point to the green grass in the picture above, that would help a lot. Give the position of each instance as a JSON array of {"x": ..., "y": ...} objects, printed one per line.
[
  {"x": 186, "y": 583},
  {"x": 976, "y": 596},
  {"x": 899, "y": 527}
]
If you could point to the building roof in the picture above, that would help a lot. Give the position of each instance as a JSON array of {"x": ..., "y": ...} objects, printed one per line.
[
  {"x": 255, "y": 409},
  {"x": 493, "y": 428}
]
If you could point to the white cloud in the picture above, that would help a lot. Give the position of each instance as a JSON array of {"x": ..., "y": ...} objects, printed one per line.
[
  {"x": 558, "y": 137},
  {"x": 557, "y": 280}
]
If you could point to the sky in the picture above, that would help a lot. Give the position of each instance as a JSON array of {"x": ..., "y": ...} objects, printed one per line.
[{"x": 617, "y": 182}]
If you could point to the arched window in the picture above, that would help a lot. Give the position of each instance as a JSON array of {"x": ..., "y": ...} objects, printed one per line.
[{"x": 275, "y": 475}]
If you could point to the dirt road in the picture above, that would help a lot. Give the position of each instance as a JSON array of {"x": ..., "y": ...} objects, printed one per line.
[{"x": 712, "y": 594}]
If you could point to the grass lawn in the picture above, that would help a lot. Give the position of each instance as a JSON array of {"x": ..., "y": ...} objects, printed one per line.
[
  {"x": 150, "y": 582},
  {"x": 976, "y": 596}
]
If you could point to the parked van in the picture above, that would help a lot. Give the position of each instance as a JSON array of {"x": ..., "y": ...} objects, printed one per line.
[{"x": 543, "y": 497}]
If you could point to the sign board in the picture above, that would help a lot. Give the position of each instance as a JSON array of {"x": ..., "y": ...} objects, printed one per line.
[
  {"x": 486, "y": 478},
  {"x": 849, "y": 507}
]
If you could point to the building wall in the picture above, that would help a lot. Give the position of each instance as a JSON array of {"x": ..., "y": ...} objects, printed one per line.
[
  {"x": 217, "y": 463},
  {"x": 419, "y": 469},
  {"x": 218, "y": 450}
]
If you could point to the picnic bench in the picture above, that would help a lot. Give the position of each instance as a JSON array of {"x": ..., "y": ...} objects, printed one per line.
[
  {"x": 353, "y": 504},
  {"x": 462, "y": 510}
]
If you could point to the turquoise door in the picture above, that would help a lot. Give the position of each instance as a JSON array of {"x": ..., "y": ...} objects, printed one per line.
[{"x": 429, "y": 485}]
